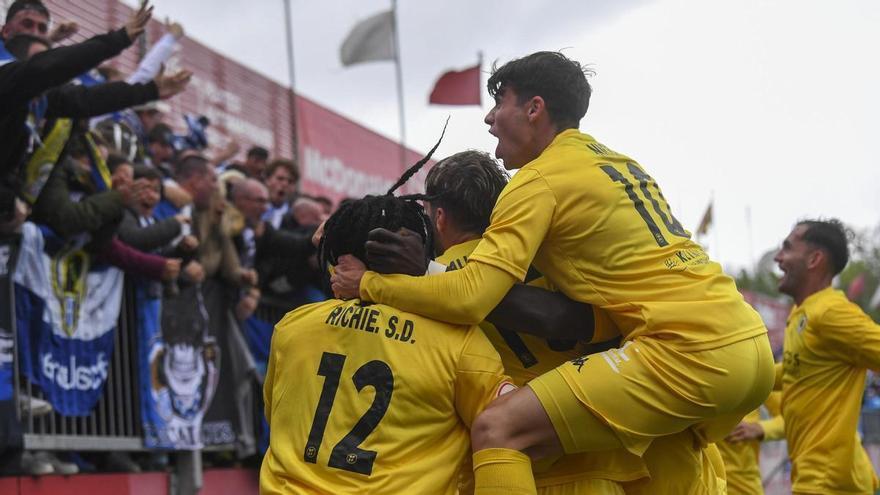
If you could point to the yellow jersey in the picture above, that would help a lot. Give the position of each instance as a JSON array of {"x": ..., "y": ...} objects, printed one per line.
[
  {"x": 369, "y": 399},
  {"x": 829, "y": 344},
  {"x": 742, "y": 459},
  {"x": 526, "y": 357},
  {"x": 598, "y": 227}
]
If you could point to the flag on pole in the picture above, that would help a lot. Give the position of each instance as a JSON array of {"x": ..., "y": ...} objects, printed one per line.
[
  {"x": 458, "y": 88},
  {"x": 370, "y": 40},
  {"x": 706, "y": 222}
]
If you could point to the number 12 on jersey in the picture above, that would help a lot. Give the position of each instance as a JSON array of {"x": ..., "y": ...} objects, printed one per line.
[
  {"x": 347, "y": 454},
  {"x": 658, "y": 203}
]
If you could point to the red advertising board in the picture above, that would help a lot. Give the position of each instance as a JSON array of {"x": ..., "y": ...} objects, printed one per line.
[{"x": 338, "y": 157}]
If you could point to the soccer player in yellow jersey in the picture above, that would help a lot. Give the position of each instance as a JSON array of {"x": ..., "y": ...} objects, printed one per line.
[
  {"x": 368, "y": 398},
  {"x": 830, "y": 343},
  {"x": 742, "y": 448},
  {"x": 696, "y": 356},
  {"x": 461, "y": 191}
]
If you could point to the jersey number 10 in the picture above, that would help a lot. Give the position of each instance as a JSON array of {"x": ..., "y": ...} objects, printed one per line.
[
  {"x": 346, "y": 454},
  {"x": 659, "y": 204}
]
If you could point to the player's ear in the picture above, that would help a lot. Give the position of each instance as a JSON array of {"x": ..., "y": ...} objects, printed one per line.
[
  {"x": 816, "y": 258},
  {"x": 536, "y": 107},
  {"x": 441, "y": 219}
]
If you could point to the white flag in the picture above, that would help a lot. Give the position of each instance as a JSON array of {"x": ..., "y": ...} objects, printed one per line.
[
  {"x": 370, "y": 40},
  {"x": 875, "y": 299}
]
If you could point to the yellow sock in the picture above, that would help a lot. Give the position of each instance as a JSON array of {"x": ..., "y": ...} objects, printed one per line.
[{"x": 503, "y": 472}]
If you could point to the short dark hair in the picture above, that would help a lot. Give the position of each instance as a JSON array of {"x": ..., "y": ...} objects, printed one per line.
[
  {"x": 19, "y": 5},
  {"x": 114, "y": 160},
  {"x": 147, "y": 172},
  {"x": 831, "y": 236},
  {"x": 284, "y": 163},
  {"x": 560, "y": 81},
  {"x": 161, "y": 133},
  {"x": 20, "y": 44},
  {"x": 190, "y": 166},
  {"x": 258, "y": 152},
  {"x": 345, "y": 232},
  {"x": 466, "y": 185}
]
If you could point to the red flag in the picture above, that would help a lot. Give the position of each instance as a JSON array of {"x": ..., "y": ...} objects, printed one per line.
[
  {"x": 458, "y": 88},
  {"x": 856, "y": 287}
]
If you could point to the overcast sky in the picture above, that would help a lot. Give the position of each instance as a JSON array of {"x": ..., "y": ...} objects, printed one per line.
[{"x": 767, "y": 106}]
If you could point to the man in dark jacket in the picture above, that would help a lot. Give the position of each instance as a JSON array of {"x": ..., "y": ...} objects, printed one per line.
[{"x": 31, "y": 91}]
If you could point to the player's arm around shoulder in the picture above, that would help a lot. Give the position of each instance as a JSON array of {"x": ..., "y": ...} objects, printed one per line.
[{"x": 479, "y": 376}]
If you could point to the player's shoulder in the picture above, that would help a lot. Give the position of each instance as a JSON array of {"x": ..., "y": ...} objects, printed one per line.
[
  {"x": 307, "y": 311},
  {"x": 828, "y": 305}
]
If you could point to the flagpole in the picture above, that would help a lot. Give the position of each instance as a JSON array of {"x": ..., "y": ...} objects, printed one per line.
[
  {"x": 399, "y": 74},
  {"x": 291, "y": 95}
]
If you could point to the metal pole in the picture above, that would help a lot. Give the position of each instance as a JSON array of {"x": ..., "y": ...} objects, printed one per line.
[
  {"x": 291, "y": 95},
  {"x": 399, "y": 71}
]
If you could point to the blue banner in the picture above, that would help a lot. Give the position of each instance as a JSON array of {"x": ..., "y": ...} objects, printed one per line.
[
  {"x": 179, "y": 368},
  {"x": 7, "y": 345},
  {"x": 66, "y": 310}
]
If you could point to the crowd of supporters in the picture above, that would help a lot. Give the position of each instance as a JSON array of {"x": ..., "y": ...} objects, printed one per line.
[{"x": 89, "y": 154}]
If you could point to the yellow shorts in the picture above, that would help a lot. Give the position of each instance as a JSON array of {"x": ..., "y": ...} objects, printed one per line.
[
  {"x": 677, "y": 467},
  {"x": 583, "y": 487},
  {"x": 647, "y": 389}
]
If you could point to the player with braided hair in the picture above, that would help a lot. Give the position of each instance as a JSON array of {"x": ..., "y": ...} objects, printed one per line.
[
  {"x": 401, "y": 434},
  {"x": 695, "y": 357}
]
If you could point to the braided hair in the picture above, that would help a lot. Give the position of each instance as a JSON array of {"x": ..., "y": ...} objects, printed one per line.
[{"x": 346, "y": 231}]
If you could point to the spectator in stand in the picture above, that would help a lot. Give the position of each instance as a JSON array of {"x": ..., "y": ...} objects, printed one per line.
[
  {"x": 160, "y": 149},
  {"x": 216, "y": 251},
  {"x": 252, "y": 168},
  {"x": 296, "y": 279},
  {"x": 71, "y": 204},
  {"x": 28, "y": 91},
  {"x": 31, "y": 17},
  {"x": 140, "y": 229},
  {"x": 282, "y": 176},
  {"x": 259, "y": 244},
  {"x": 326, "y": 203}
]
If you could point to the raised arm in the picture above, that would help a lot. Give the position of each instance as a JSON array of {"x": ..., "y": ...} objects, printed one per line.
[
  {"x": 22, "y": 80},
  {"x": 520, "y": 221}
]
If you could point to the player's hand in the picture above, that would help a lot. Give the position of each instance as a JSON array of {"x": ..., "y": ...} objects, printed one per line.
[
  {"x": 138, "y": 21},
  {"x": 169, "y": 86},
  {"x": 746, "y": 431},
  {"x": 396, "y": 252},
  {"x": 346, "y": 278},
  {"x": 63, "y": 31}
]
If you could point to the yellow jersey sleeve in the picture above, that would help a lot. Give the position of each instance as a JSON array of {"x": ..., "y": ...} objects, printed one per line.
[
  {"x": 774, "y": 427},
  {"x": 850, "y": 334},
  {"x": 478, "y": 378},
  {"x": 777, "y": 383},
  {"x": 519, "y": 223}
]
